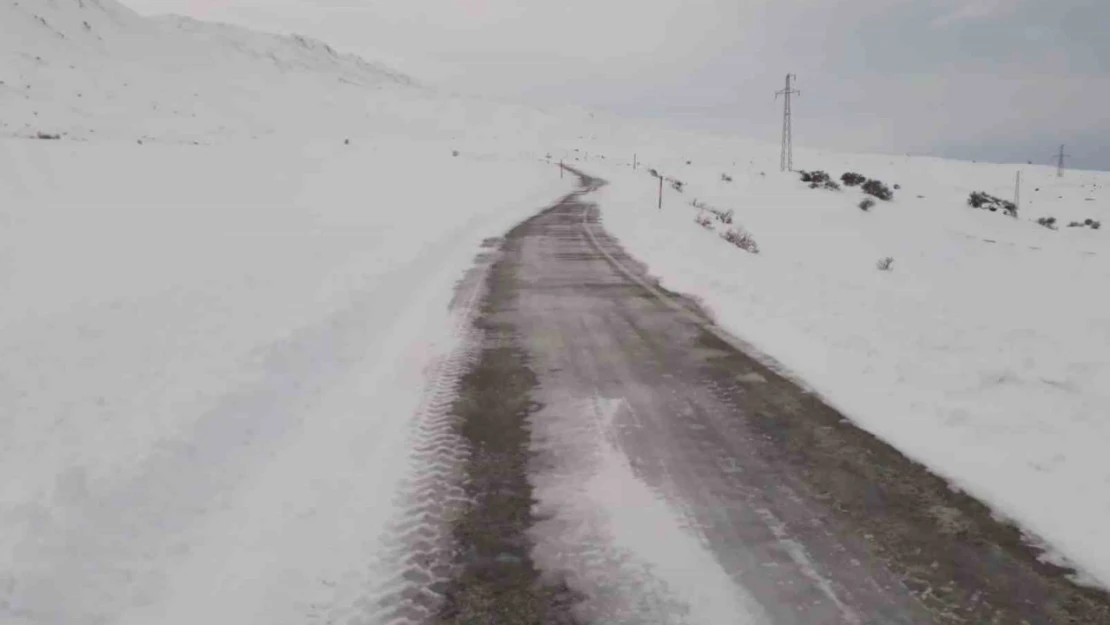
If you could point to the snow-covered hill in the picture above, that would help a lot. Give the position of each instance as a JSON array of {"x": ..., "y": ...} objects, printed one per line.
[{"x": 95, "y": 69}]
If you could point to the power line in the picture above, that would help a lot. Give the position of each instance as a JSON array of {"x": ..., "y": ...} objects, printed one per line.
[
  {"x": 787, "y": 161},
  {"x": 1060, "y": 162}
]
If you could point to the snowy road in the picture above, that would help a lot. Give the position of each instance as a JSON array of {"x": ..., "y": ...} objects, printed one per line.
[{"x": 627, "y": 464}]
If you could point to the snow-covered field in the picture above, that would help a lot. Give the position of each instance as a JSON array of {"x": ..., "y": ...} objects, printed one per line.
[
  {"x": 212, "y": 342},
  {"x": 984, "y": 353},
  {"x": 217, "y": 314},
  {"x": 209, "y": 358}
]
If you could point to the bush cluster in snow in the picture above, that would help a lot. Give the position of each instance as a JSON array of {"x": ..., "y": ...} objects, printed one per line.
[
  {"x": 852, "y": 179},
  {"x": 736, "y": 235},
  {"x": 1086, "y": 223},
  {"x": 885, "y": 264},
  {"x": 726, "y": 178},
  {"x": 818, "y": 179},
  {"x": 878, "y": 189},
  {"x": 814, "y": 177},
  {"x": 986, "y": 201},
  {"x": 1047, "y": 222},
  {"x": 722, "y": 216},
  {"x": 867, "y": 204},
  {"x": 869, "y": 186},
  {"x": 742, "y": 239}
]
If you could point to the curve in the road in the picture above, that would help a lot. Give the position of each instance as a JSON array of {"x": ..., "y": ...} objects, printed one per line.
[{"x": 628, "y": 462}]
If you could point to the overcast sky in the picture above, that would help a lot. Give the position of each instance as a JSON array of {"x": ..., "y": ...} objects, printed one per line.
[{"x": 1005, "y": 80}]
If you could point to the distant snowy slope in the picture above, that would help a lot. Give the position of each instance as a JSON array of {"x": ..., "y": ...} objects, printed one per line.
[{"x": 85, "y": 68}]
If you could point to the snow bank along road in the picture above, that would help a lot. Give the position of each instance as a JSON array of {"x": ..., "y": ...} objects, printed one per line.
[{"x": 626, "y": 463}]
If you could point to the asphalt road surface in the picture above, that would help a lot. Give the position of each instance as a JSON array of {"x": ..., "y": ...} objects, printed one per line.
[{"x": 813, "y": 520}]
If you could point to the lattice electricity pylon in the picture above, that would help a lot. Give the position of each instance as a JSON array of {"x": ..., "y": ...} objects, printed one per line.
[
  {"x": 1060, "y": 162},
  {"x": 787, "y": 161}
]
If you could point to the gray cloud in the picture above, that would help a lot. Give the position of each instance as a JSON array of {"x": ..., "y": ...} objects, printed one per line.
[{"x": 953, "y": 77}]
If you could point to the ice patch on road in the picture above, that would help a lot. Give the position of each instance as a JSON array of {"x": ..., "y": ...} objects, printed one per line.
[{"x": 616, "y": 540}]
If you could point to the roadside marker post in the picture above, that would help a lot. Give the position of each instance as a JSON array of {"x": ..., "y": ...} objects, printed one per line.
[{"x": 660, "y": 192}]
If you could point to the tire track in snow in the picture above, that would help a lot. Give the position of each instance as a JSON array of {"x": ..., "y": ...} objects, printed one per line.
[
  {"x": 419, "y": 549},
  {"x": 497, "y": 580}
]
